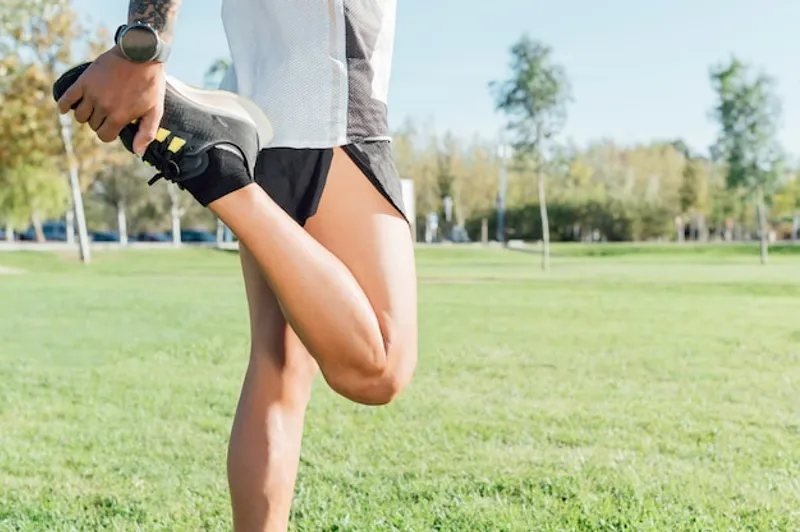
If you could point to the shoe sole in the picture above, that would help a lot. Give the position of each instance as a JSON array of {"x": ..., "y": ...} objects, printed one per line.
[{"x": 229, "y": 104}]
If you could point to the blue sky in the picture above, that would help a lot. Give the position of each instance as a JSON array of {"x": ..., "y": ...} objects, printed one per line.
[{"x": 639, "y": 69}]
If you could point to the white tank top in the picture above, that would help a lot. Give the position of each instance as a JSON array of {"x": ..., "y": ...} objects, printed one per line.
[{"x": 318, "y": 68}]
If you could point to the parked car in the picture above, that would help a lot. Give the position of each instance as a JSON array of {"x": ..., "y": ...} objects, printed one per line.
[
  {"x": 197, "y": 236},
  {"x": 153, "y": 237},
  {"x": 54, "y": 231},
  {"x": 105, "y": 236}
]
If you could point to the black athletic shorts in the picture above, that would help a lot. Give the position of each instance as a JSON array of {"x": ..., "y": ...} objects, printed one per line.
[{"x": 294, "y": 178}]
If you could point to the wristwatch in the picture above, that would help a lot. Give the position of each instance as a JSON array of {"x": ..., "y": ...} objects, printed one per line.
[{"x": 140, "y": 43}]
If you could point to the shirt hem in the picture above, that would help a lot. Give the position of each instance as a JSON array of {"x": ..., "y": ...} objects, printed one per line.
[{"x": 322, "y": 145}]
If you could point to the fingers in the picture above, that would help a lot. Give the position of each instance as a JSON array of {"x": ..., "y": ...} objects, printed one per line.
[
  {"x": 97, "y": 119},
  {"x": 112, "y": 125},
  {"x": 84, "y": 110},
  {"x": 73, "y": 95},
  {"x": 148, "y": 127}
]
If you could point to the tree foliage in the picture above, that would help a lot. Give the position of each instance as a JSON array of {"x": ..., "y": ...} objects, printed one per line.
[
  {"x": 598, "y": 191},
  {"x": 748, "y": 113},
  {"x": 41, "y": 39},
  {"x": 534, "y": 98},
  {"x": 215, "y": 73},
  {"x": 30, "y": 191},
  {"x": 38, "y": 40}
]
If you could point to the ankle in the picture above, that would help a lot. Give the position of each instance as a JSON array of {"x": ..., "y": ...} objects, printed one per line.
[{"x": 226, "y": 173}]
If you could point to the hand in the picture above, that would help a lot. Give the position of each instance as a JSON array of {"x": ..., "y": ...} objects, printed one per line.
[{"x": 113, "y": 92}]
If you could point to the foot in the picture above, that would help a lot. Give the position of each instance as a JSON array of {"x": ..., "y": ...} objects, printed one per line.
[{"x": 208, "y": 141}]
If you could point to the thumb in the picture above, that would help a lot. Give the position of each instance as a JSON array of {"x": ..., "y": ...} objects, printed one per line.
[{"x": 148, "y": 127}]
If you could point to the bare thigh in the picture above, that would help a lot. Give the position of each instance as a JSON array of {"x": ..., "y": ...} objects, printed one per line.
[
  {"x": 275, "y": 348},
  {"x": 361, "y": 228}
]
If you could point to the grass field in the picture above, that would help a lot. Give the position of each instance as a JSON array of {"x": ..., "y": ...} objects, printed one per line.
[{"x": 641, "y": 390}]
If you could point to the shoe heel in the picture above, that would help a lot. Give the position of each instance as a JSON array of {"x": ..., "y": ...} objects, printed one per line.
[{"x": 263, "y": 125}]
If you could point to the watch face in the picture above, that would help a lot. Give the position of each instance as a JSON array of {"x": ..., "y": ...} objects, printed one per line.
[{"x": 139, "y": 43}]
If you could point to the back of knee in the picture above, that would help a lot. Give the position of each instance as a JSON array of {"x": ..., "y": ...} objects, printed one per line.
[{"x": 281, "y": 371}]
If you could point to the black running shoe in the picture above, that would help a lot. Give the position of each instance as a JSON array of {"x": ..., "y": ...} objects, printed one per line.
[{"x": 195, "y": 122}]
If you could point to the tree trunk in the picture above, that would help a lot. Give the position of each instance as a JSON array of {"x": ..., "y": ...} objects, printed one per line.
[
  {"x": 69, "y": 221},
  {"x": 762, "y": 224},
  {"x": 220, "y": 232},
  {"x": 176, "y": 227},
  {"x": 122, "y": 223},
  {"x": 545, "y": 221},
  {"x": 738, "y": 232},
  {"x": 679, "y": 229},
  {"x": 796, "y": 228},
  {"x": 9, "y": 231},
  {"x": 75, "y": 189},
  {"x": 36, "y": 222},
  {"x": 175, "y": 214},
  {"x": 502, "y": 191},
  {"x": 702, "y": 228}
]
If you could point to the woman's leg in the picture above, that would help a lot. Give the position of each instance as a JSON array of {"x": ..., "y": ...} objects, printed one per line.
[
  {"x": 353, "y": 269},
  {"x": 264, "y": 448},
  {"x": 346, "y": 282}
]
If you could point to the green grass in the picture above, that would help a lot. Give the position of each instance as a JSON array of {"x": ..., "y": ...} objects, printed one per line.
[{"x": 636, "y": 391}]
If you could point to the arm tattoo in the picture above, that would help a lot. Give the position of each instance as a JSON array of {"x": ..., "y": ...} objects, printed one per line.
[{"x": 160, "y": 14}]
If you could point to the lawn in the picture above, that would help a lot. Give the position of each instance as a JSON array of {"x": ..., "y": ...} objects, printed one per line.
[{"x": 640, "y": 390}]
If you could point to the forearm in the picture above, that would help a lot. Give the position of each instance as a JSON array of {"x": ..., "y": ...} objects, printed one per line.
[{"x": 159, "y": 14}]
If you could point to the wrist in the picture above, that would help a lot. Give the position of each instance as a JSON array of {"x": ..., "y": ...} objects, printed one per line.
[{"x": 117, "y": 53}]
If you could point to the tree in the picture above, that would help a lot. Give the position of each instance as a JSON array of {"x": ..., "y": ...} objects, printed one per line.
[
  {"x": 216, "y": 73},
  {"x": 30, "y": 193},
  {"x": 416, "y": 153},
  {"x": 448, "y": 166},
  {"x": 690, "y": 192},
  {"x": 167, "y": 201},
  {"x": 37, "y": 42},
  {"x": 21, "y": 153},
  {"x": 695, "y": 190},
  {"x": 534, "y": 99},
  {"x": 475, "y": 179},
  {"x": 122, "y": 185},
  {"x": 786, "y": 204},
  {"x": 748, "y": 113}
]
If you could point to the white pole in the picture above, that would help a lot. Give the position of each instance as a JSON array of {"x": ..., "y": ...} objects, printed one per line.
[
  {"x": 502, "y": 153},
  {"x": 70, "y": 223},
  {"x": 74, "y": 183}
]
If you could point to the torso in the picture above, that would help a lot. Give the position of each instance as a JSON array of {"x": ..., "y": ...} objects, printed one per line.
[{"x": 318, "y": 68}]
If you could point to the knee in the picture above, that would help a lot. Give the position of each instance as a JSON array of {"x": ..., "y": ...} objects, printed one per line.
[
  {"x": 381, "y": 385},
  {"x": 381, "y": 390}
]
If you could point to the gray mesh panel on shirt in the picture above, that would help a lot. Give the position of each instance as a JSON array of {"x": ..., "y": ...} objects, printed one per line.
[{"x": 369, "y": 35}]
